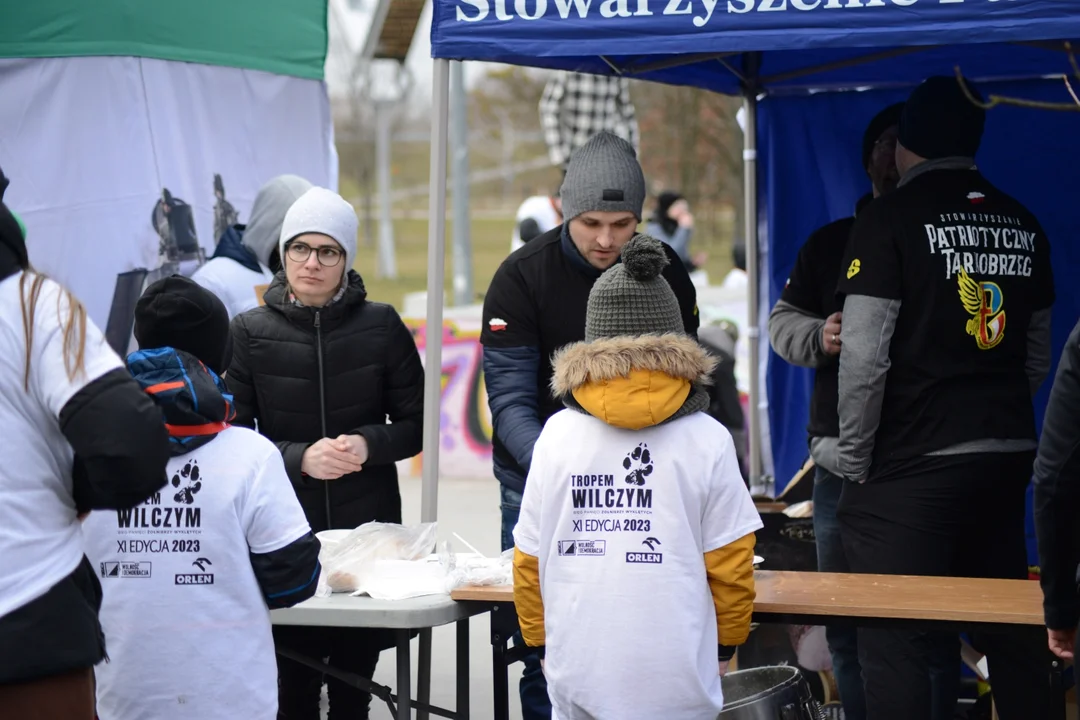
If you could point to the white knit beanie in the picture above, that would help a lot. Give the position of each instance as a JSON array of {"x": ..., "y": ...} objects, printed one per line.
[{"x": 322, "y": 211}]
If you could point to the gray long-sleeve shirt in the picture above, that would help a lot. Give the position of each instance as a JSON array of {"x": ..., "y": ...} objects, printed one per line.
[{"x": 678, "y": 240}]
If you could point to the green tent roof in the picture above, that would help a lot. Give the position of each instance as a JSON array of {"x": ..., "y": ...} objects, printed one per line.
[{"x": 287, "y": 37}]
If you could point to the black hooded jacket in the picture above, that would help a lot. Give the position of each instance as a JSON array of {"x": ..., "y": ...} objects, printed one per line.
[
  {"x": 1057, "y": 493},
  {"x": 305, "y": 373}
]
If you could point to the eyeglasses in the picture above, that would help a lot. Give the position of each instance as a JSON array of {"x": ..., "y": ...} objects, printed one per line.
[{"x": 327, "y": 255}]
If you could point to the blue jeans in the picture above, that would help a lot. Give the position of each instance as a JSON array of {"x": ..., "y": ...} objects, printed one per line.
[
  {"x": 843, "y": 643},
  {"x": 535, "y": 704}
]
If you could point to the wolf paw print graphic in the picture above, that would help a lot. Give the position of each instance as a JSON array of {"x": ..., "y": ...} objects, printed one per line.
[
  {"x": 187, "y": 483},
  {"x": 638, "y": 464}
]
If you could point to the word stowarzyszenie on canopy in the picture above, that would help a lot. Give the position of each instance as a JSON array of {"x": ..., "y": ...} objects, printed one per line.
[{"x": 700, "y": 11}]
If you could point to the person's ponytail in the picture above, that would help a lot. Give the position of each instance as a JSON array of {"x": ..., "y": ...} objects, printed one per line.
[{"x": 74, "y": 347}]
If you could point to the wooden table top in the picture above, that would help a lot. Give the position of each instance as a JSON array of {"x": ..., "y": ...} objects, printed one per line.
[{"x": 898, "y": 597}]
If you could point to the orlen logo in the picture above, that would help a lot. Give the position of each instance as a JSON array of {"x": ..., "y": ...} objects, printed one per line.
[{"x": 195, "y": 579}]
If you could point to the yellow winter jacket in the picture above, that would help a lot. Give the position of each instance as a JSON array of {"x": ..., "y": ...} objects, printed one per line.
[{"x": 635, "y": 383}]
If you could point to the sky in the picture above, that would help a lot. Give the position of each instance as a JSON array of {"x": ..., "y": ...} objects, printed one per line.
[{"x": 350, "y": 21}]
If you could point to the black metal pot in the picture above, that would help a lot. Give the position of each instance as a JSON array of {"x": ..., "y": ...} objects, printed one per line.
[{"x": 768, "y": 693}]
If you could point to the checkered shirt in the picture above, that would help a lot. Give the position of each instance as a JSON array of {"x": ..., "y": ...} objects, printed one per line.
[{"x": 576, "y": 106}]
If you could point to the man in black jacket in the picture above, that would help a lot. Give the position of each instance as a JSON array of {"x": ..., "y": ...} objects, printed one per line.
[
  {"x": 536, "y": 304},
  {"x": 1057, "y": 497},
  {"x": 937, "y": 427},
  {"x": 804, "y": 329}
]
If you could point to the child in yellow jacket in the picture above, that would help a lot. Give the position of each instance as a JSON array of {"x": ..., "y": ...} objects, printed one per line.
[{"x": 633, "y": 561}]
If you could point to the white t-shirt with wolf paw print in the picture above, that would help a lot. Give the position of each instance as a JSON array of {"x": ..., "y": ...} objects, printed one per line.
[
  {"x": 187, "y": 630},
  {"x": 620, "y": 521}
]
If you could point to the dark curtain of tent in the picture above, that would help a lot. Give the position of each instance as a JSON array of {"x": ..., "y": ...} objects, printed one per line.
[{"x": 809, "y": 152}]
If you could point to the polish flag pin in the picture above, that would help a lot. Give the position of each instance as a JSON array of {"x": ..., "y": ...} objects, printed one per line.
[
  {"x": 497, "y": 324},
  {"x": 976, "y": 197}
]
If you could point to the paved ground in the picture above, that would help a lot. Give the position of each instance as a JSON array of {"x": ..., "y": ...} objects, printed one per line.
[{"x": 471, "y": 509}]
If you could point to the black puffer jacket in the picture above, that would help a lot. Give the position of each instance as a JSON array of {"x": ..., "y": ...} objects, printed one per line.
[{"x": 307, "y": 373}]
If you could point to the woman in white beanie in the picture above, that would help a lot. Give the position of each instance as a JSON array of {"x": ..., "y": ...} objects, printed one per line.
[{"x": 319, "y": 368}]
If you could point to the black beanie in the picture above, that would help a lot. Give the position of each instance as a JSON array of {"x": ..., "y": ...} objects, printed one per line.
[
  {"x": 939, "y": 121},
  {"x": 176, "y": 312},
  {"x": 12, "y": 243},
  {"x": 882, "y": 121},
  {"x": 12, "y": 237}
]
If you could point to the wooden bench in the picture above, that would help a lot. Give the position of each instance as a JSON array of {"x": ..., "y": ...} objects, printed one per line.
[{"x": 830, "y": 598}]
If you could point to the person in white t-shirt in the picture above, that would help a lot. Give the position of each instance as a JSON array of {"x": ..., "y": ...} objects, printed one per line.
[
  {"x": 246, "y": 256},
  {"x": 189, "y": 575},
  {"x": 634, "y": 515},
  {"x": 536, "y": 216},
  {"x": 79, "y": 435}
]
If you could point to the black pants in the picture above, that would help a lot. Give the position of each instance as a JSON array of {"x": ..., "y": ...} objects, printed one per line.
[
  {"x": 300, "y": 687},
  {"x": 56, "y": 633},
  {"x": 959, "y": 516}
]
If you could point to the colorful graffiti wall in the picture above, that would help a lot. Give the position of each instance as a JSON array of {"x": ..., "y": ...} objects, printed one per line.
[{"x": 465, "y": 427}]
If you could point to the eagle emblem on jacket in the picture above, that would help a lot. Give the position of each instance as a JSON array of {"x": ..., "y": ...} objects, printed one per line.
[{"x": 985, "y": 303}]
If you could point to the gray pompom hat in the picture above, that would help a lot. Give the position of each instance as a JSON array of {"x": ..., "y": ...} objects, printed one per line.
[{"x": 631, "y": 297}]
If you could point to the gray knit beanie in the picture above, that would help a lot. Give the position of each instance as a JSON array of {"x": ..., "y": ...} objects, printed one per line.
[
  {"x": 603, "y": 175},
  {"x": 631, "y": 297}
]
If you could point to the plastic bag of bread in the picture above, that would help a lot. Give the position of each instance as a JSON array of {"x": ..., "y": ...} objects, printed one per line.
[{"x": 346, "y": 557}]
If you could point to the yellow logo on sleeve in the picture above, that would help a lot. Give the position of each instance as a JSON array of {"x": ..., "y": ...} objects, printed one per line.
[
  {"x": 854, "y": 268},
  {"x": 985, "y": 302}
]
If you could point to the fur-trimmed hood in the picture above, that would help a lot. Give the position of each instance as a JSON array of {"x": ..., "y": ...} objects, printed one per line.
[{"x": 634, "y": 382}]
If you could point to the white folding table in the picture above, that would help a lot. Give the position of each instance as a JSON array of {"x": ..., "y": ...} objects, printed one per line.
[{"x": 402, "y": 617}]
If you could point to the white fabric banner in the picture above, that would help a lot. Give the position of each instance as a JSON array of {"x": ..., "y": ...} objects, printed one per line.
[{"x": 90, "y": 144}]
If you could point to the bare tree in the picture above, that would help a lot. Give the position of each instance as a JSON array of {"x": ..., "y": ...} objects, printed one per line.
[
  {"x": 355, "y": 141},
  {"x": 691, "y": 143},
  {"x": 995, "y": 100},
  {"x": 353, "y": 122},
  {"x": 505, "y": 122}
]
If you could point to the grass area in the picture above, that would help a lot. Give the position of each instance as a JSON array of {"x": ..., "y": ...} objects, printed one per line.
[{"x": 490, "y": 245}]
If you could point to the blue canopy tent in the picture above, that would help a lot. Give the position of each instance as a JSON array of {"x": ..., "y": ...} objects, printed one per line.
[{"x": 819, "y": 69}]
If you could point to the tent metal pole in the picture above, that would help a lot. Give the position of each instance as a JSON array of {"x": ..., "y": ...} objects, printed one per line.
[
  {"x": 614, "y": 68},
  {"x": 384, "y": 124},
  {"x": 751, "y": 219},
  {"x": 459, "y": 126},
  {"x": 842, "y": 64},
  {"x": 731, "y": 69},
  {"x": 680, "y": 61},
  {"x": 436, "y": 274}
]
